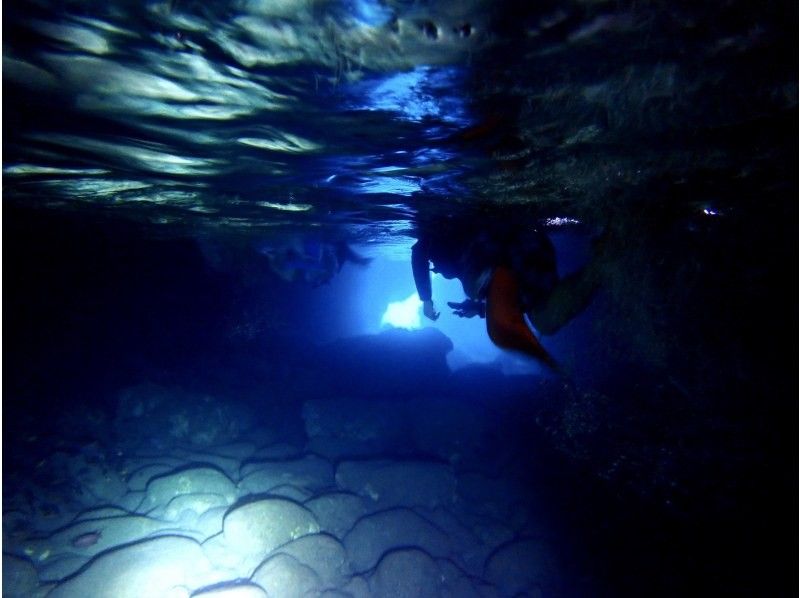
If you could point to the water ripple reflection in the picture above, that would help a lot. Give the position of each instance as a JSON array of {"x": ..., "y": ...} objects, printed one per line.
[{"x": 256, "y": 103}]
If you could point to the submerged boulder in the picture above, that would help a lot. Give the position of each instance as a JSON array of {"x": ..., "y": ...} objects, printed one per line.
[
  {"x": 266, "y": 524},
  {"x": 310, "y": 473},
  {"x": 283, "y": 575},
  {"x": 253, "y": 530},
  {"x": 165, "y": 566},
  {"x": 161, "y": 490},
  {"x": 156, "y": 415},
  {"x": 375, "y": 534},
  {"x": 322, "y": 553},
  {"x": 524, "y": 566},
  {"x": 337, "y": 512},
  {"x": 399, "y": 483},
  {"x": 407, "y": 573}
]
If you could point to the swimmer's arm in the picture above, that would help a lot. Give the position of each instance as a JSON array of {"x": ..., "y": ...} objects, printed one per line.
[{"x": 422, "y": 275}]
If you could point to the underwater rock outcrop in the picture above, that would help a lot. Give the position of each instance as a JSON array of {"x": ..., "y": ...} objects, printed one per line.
[
  {"x": 450, "y": 429},
  {"x": 375, "y": 534},
  {"x": 280, "y": 519},
  {"x": 150, "y": 411},
  {"x": 386, "y": 483},
  {"x": 166, "y": 566}
]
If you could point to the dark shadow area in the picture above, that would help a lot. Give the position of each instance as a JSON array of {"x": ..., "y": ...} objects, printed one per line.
[{"x": 640, "y": 486}]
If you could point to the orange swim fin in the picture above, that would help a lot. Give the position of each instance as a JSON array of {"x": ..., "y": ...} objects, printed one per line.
[{"x": 505, "y": 322}]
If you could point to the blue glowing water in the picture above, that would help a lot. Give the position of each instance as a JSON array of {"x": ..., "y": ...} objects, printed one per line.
[{"x": 215, "y": 204}]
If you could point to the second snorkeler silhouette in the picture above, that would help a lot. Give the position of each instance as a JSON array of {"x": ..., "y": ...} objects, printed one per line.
[{"x": 507, "y": 271}]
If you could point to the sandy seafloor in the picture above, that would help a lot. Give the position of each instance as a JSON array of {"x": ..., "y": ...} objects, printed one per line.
[{"x": 340, "y": 498}]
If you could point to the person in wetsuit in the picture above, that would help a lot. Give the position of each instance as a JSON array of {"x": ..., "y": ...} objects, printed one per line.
[{"x": 506, "y": 271}]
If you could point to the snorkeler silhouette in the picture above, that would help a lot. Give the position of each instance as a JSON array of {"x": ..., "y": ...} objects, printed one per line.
[{"x": 506, "y": 271}]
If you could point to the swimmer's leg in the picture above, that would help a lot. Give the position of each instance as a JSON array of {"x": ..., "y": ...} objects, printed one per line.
[{"x": 505, "y": 321}]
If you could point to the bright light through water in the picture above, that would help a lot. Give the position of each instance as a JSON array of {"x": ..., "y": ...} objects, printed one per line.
[
  {"x": 371, "y": 13},
  {"x": 386, "y": 297},
  {"x": 415, "y": 95},
  {"x": 403, "y": 314}
]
